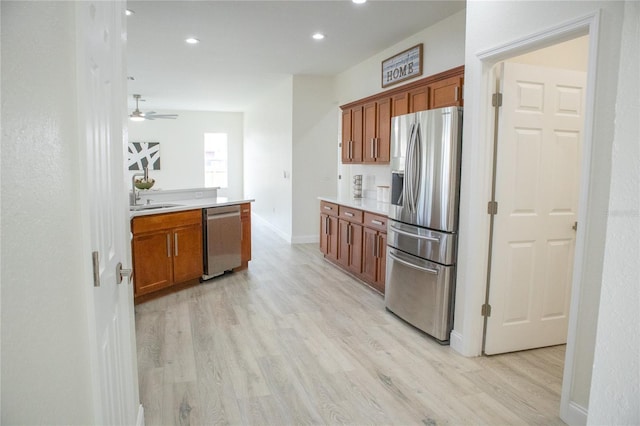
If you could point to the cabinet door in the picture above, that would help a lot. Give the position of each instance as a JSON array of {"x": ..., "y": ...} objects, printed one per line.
[
  {"x": 447, "y": 92},
  {"x": 356, "y": 134},
  {"x": 382, "y": 262},
  {"x": 369, "y": 126},
  {"x": 187, "y": 253},
  {"x": 383, "y": 131},
  {"x": 344, "y": 238},
  {"x": 400, "y": 104},
  {"x": 152, "y": 262},
  {"x": 329, "y": 236},
  {"x": 355, "y": 248},
  {"x": 369, "y": 258},
  {"x": 346, "y": 136},
  {"x": 419, "y": 99},
  {"x": 352, "y": 133},
  {"x": 245, "y": 220}
]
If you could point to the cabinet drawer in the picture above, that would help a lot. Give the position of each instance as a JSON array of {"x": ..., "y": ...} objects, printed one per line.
[
  {"x": 375, "y": 221},
  {"x": 352, "y": 215},
  {"x": 165, "y": 221},
  {"x": 328, "y": 208}
]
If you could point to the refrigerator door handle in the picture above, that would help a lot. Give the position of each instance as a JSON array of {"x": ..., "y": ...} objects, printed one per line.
[
  {"x": 409, "y": 234},
  {"x": 411, "y": 265}
]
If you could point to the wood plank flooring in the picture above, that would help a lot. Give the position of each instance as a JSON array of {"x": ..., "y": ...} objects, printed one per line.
[{"x": 293, "y": 341}]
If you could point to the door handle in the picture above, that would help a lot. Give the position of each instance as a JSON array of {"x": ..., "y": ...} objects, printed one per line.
[
  {"x": 409, "y": 234},
  {"x": 411, "y": 265},
  {"x": 121, "y": 273}
]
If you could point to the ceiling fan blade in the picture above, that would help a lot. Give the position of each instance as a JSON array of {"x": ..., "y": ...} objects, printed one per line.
[{"x": 171, "y": 116}]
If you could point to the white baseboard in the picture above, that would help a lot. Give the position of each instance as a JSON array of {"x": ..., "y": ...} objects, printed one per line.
[
  {"x": 140, "y": 420},
  {"x": 455, "y": 341},
  {"x": 574, "y": 414},
  {"x": 279, "y": 232},
  {"x": 306, "y": 239}
]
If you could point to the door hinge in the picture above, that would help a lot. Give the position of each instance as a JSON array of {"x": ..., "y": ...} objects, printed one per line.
[
  {"x": 485, "y": 311},
  {"x": 95, "y": 258},
  {"x": 496, "y": 100},
  {"x": 492, "y": 207}
]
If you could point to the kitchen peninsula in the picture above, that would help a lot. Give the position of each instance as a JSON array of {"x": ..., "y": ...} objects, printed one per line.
[{"x": 169, "y": 246}]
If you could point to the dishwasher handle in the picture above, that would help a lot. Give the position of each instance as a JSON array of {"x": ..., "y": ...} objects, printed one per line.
[{"x": 221, "y": 215}]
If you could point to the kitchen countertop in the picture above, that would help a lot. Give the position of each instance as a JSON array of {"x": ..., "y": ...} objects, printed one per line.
[
  {"x": 366, "y": 204},
  {"x": 190, "y": 204}
]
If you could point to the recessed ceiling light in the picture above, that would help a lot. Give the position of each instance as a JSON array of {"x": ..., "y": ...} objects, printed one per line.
[
  {"x": 359, "y": 1},
  {"x": 318, "y": 36},
  {"x": 192, "y": 40},
  {"x": 129, "y": 12}
]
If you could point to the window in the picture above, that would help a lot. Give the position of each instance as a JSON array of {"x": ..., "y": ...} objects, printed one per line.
[{"x": 215, "y": 160}]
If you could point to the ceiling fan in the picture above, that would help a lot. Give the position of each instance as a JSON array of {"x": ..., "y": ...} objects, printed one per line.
[{"x": 138, "y": 115}]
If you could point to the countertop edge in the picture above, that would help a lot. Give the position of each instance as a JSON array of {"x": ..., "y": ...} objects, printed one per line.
[
  {"x": 195, "y": 204},
  {"x": 366, "y": 204}
]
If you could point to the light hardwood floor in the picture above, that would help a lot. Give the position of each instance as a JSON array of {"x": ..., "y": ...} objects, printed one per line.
[{"x": 293, "y": 340}]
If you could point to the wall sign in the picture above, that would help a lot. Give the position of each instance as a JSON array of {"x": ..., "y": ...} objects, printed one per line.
[
  {"x": 404, "y": 65},
  {"x": 144, "y": 154}
]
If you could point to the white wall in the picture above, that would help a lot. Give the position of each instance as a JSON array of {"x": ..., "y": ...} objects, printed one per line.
[
  {"x": 268, "y": 157},
  {"x": 615, "y": 388},
  {"x": 491, "y": 24},
  {"x": 444, "y": 47},
  {"x": 45, "y": 343},
  {"x": 182, "y": 148},
  {"x": 314, "y": 147},
  {"x": 570, "y": 55}
]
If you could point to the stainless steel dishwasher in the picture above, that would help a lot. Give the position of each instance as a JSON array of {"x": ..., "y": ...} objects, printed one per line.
[{"x": 222, "y": 239}]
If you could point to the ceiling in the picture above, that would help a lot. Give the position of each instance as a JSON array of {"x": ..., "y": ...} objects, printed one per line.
[{"x": 246, "y": 46}]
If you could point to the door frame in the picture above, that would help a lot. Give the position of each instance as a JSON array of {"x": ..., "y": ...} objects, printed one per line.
[{"x": 570, "y": 412}]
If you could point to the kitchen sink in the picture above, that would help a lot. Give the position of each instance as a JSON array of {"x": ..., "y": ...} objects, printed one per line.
[{"x": 152, "y": 206}]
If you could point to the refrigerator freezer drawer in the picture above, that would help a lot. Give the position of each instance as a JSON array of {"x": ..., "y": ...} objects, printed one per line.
[
  {"x": 421, "y": 242},
  {"x": 421, "y": 293}
]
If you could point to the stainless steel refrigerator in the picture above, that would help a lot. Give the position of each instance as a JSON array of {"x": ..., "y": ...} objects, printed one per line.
[{"x": 423, "y": 220}]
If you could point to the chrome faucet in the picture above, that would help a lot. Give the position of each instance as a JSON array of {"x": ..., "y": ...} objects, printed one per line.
[{"x": 135, "y": 196}]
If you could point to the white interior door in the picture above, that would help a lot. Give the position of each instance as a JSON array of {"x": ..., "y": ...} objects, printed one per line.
[
  {"x": 101, "y": 109},
  {"x": 537, "y": 185}
]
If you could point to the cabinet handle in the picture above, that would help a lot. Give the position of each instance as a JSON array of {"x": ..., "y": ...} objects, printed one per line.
[
  {"x": 349, "y": 214},
  {"x": 373, "y": 148},
  {"x": 457, "y": 90},
  {"x": 175, "y": 245},
  {"x": 326, "y": 225},
  {"x": 376, "y": 222},
  {"x": 168, "y": 245},
  {"x": 328, "y": 208},
  {"x": 348, "y": 234}
]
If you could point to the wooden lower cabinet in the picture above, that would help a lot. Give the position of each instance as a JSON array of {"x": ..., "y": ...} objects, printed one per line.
[
  {"x": 350, "y": 245},
  {"x": 167, "y": 250},
  {"x": 356, "y": 241},
  {"x": 329, "y": 236},
  {"x": 245, "y": 245},
  {"x": 374, "y": 251}
]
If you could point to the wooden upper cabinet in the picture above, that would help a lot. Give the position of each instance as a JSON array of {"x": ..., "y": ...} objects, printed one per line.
[
  {"x": 400, "y": 104},
  {"x": 377, "y": 131},
  {"x": 352, "y": 133},
  {"x": 446, "y": 92},
  {"x": 366, "y": 124},
  {"x": 419, "y": 99}
]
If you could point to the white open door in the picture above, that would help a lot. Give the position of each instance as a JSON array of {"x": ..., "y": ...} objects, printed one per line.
[
  {"x": 537, "y": 187},
  {"x": 102, "y": 111}
]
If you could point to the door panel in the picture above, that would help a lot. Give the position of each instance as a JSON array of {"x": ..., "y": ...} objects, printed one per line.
[
  {"x": 537, "y": 178},
  {"x": 101, "y": 114}
]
